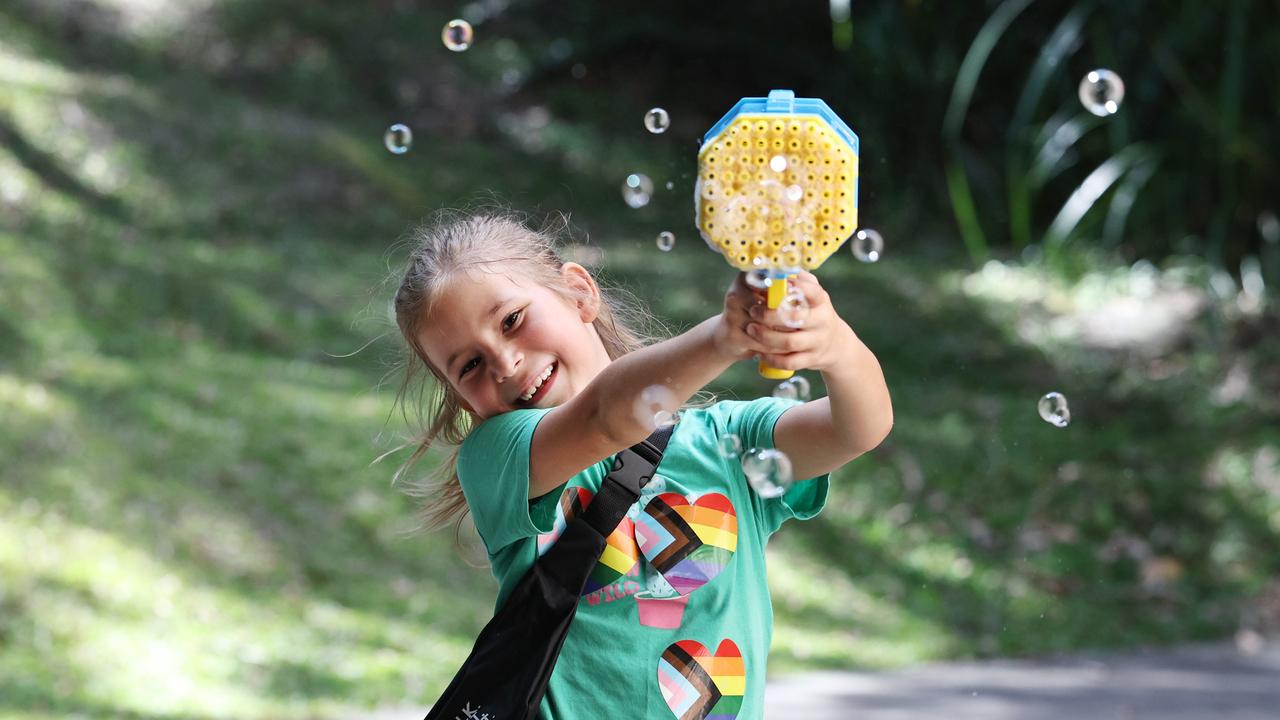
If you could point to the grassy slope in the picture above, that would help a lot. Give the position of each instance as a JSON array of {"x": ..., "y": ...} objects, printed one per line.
[{"x": 188, "y": 523}]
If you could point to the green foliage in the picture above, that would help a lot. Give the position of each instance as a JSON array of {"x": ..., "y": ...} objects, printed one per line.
[{"x": 196, "y": 367}]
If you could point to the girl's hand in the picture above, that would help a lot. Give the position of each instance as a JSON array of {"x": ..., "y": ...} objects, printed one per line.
[
  {"x": 732, "y": 340},
  {"x": 822, "y": 343}
]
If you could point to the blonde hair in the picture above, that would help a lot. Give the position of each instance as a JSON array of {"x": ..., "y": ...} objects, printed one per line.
[{"x": 453, "y": 241}]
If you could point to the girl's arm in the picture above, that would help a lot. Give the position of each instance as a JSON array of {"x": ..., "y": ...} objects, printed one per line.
[
  {"x": 857, "y": 413},
  {"x": 602, "y": 419},
  {"x": 682, "y": 364}
]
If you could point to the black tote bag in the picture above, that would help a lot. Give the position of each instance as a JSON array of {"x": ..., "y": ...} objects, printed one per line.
[{"x": 506, "y": 674}]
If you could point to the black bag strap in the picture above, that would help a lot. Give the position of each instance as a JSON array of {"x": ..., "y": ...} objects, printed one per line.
[
  {"x": 632, "y": 470},
  {"x": 507, "y": 672}
]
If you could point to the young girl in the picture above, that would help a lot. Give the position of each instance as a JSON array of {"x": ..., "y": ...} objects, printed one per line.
[{"x": 537, "y": 379}]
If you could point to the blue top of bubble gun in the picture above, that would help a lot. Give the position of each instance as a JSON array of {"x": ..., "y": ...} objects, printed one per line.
[{"x": 785, "y": 102}]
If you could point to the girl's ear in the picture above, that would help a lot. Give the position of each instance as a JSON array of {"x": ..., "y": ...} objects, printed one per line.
[{"x": 578, "y": 278}]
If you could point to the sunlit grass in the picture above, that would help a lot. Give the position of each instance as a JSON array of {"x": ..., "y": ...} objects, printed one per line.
[{"x": 190, "y": 525}]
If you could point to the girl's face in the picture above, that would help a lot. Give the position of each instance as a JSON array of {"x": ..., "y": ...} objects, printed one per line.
[{"x": 493, "y": 338}]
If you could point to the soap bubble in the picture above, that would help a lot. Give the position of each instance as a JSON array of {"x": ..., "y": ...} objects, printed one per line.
[
  {"x": 671, "y": 185},
  {"x": 730, "y": 445},
  {"x": 867, "y": 245},
  {"x": 759, "y": 279},
  {"x": 637, "y": 189},
  {"x": 794, "y": 309},
  {"x": 457, "y": 35},
  {"x": 768, "y": 470},
  {"x": 666, "y": 241},
  {"x": 802, "y": 386},
  {"x": 790, "y": 257},
  {"x": 795, "y": 387},
  {"x": 1101, "y": 92},
  {"x": 785, "y": 390},
  {"x": 1053, "y": 409},
  {"x": 777, "y": 163},
  {"x": 656, "y": 407},
  {"x": 398, "y": 138},
  {"x": 1269, "y": 226},
  {"x": 657, "y": 121},
  {"x": 795, "y": 193}
]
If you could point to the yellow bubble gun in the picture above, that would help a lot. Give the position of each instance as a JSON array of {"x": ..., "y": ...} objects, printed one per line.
[{"x": 777, "y": 189}]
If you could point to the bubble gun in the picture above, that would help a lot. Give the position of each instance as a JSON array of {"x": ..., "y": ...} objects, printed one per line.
[{"x": 777, "y": 189}]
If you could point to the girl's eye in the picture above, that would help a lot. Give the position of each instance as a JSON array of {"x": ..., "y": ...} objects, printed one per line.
[
  {"x": 467, "y": 367},
  {"x": 505, "y": 325}
]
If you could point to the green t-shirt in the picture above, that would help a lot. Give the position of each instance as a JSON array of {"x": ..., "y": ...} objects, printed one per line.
[{"x": 676, "y": 619}]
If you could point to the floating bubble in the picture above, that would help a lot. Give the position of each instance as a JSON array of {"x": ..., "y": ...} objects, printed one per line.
[
  {"x": 1053, "y": 409},
  {"x": 637, "y": 189},
  {"x": 794, "y": 309},
  {"x": 730, "y": 445},
  {"x": 457, "y": 35},
  {"x": 1101, "y": 92},
  {"x": 790, "y": 257},
  {"x": 398, "y": 138},
  {"x": 802, "y": 386},
  {"x": 768, "y": 470},
  {"x": 786, "y": 390},
  {"x": 777, "y": 163},
  {"x": 759, "y": 279},
  {"x": 867, "y": 245},
  {"x": 1269, "y": 226},
  {"x": 795, "y": 193},
  {"x": 666, "y": 241},
  {"x": 670, "y": 185},
  {"x": 656, "y": 407},
  {"x": 657, "y": 121},
  {"x": 795, "y": 387}
]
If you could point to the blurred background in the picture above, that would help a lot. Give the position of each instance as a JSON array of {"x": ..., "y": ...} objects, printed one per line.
[{"x": 201, "y": 227}]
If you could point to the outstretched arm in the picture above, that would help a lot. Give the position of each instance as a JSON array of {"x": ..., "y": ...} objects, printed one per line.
[
  {"x": 682, "y": 364},
  {"x": 857, "y": 414}
]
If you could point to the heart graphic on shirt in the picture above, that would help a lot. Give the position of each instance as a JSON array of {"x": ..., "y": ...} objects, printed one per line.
[
  {"x": 689, "y": 543},
  {"x": 620, "y": 556},
  {"x": 699, "y": 685}
]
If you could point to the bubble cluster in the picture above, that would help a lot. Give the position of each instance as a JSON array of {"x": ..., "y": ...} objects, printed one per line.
[
  {"x": 457, "y": 35},
  {"x": 1101, "y": 92},
  {"x": 768, "y": 183},
  {"x": 657, "y": 121},
  {"x": 637, "y": 189},
  {"x": 867, "y": 245},
  {"x": 398, "y": 138},
  {"x": 666, "y": 240},
  {"x": 1053, "y": 409},
  {"x": 656, "y": 407},
  {"x": 768, "y": 470}
]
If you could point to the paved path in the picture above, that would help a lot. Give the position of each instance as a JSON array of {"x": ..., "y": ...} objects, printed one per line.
[
  {"x": 1203, "y": 681},
  {"x": 1208, "y": 682}
]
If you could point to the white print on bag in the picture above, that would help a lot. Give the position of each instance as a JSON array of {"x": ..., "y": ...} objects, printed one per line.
[{"x": 469, "y": 714}]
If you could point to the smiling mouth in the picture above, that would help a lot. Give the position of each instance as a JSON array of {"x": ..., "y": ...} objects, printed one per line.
[{"x": 542, "y": 390}]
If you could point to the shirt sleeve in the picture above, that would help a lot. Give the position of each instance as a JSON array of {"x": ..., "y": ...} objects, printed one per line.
[
  {"x": 493, "y": 468},
  {"x": 753, "y": 423}
]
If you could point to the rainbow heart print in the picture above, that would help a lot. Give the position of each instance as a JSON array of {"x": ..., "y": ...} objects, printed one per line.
[
  {"x": 700, "y": 685},
  {"x": 620, "y": 555},
  {"x": 688, "y": 543}
]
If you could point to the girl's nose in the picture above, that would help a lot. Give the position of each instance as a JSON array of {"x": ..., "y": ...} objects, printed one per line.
[{"x": 505, "y": 365}]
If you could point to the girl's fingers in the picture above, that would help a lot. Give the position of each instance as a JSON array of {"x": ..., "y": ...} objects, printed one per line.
[
  {"x": 792, "y": 361},
  {"x": 782, "y": 341}
]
